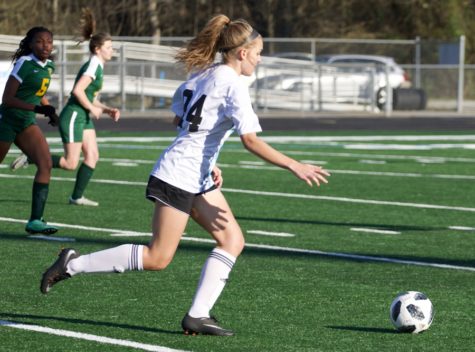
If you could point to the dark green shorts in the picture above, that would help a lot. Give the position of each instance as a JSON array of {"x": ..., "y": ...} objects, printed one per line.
[
  {"x": 9, "y": 129},
  {"x": 72, "y": 122}
]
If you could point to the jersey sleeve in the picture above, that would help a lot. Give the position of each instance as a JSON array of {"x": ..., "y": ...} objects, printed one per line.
[
  {"x": 177, "y": 102},
  {"x": 94, "y": 66},
  {"x": 19, "y": 70},
  {"x": 240, "y": 110}
]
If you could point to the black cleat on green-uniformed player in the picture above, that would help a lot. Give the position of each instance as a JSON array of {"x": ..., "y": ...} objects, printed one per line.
[
  {"x": 57, "y": 272},
  {"x": 205, "y": 326}
]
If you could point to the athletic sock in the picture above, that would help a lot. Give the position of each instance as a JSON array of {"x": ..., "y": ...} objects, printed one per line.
[
  {"x": 56, "y": 159},
  {"x": 213, "y": 278},
  {"x": 39, "y": 197},
  {"x": 117, "y": 259},
  {"x": 83, "y": 176}
]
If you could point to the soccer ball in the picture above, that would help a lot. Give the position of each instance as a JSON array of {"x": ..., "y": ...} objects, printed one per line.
[{"x": 411, "y": 312}]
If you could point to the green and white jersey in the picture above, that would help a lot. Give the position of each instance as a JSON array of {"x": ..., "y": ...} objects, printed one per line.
[
  {"x": 34, "y": 77},
  {"x": 93, "y": 68}
]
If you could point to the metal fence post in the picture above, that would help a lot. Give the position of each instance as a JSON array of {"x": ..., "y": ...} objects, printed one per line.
[
  {"x": 389, "y": 94},
  {"x": 62, "y": 80},
  {"x": 320, "y": 97},
  {"x": 122, "y": 77},
  {"x": 460, "y": 88},
  {"x": 418, "y": 62}
]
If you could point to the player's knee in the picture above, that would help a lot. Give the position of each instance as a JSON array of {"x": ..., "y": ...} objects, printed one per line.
[
  {"x": 158, "y": 264},
  {"x": 45, "y": 165},
  {"x": 233, "y": 245},
  {"x": 156, "y": 261},
  {"x": 91, "y": 159},
  {"x": 70, "y": 165}
]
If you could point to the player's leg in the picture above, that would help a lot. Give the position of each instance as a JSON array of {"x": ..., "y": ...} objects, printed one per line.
[
  {"x": 70, "y": 129},
  {"x": 70, "y": 160},
  {"x": 168, "y": 225},
  {"x": 213, "y": 213},
  {"x": 4, "y": 148},
  {"x": 86, "y": 169},
  {"x": 7, "y": 137},
  {"x": 33, "y": 143}
]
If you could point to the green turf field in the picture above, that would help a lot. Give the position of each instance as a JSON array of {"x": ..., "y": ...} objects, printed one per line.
[{"x": 321, "y": 265}]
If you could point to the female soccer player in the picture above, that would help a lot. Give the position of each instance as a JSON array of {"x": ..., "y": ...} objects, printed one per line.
[
  {"x": 76, "y": 126},
  {"x": 185, "y": 181},
  {"x": 24, "y": 96}
]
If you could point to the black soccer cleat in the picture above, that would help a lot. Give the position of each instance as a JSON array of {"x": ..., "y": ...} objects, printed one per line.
[
  {"x": 57, "y": 271},
  {"x": 205, "y": 326}
]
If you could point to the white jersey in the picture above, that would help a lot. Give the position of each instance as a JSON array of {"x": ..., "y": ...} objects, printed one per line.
[{"x": 211, "y": 104}]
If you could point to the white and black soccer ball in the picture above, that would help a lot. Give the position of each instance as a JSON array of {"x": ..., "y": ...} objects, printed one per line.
[{"x": 411, "y": 312}]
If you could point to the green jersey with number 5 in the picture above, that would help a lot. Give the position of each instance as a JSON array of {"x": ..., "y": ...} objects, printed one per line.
[{"x": 34, "y": 77}]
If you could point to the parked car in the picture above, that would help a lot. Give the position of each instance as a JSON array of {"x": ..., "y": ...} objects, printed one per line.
[
  {"x": 347, "y": 75},
  {"x": 386, "y": 69}
]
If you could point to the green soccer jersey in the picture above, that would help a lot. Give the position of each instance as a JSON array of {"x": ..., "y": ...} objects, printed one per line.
[
  {"x": 93, "y": 68},
  {"x": 34, "y": 77}
]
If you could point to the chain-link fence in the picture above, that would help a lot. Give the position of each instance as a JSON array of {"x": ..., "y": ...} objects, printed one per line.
[{"x": 295, "y": 74}]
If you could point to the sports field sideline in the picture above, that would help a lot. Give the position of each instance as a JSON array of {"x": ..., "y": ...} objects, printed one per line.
[{"x": 321, "y": 265}]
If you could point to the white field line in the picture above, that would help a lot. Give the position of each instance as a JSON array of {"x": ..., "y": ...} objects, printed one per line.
[
  {"x": 462, "y": 228},
  {"x": 356, "y": 172},
  {"x": 262, "y": 166},
  {"x": 417, "y": 158},
  {"x": 359, "y": 155},
  {"x": 346, "y": 255},
  {"x": 279, "y": 194},
  {"x": 86, "y": 228},
  {"x": 299, "y": 139},
  {"x": 270, "y": 167},
  {"x": 280, "y": 249},
  {"x": 88, "y": 337},
  {"x": 294, "y": 152},
  {"x": 383, "y": 232},
  {"x": 350, "y": 200},
  {"x": 269, "y": 233}
]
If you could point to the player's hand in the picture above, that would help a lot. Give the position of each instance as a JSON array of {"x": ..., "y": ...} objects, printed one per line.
[
  {"x": 96, "y": 112},
  {"x": 53, "y": 120},
  {"x": 47, "y": 110},
  {"x": 114, "y": 113},
  {"x": 309, "y": 173},
  {"x": 217, "y": 177}
]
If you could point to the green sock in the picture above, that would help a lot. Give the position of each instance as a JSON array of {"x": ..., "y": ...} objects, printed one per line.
[
  {"x": 56, "y": 159},
  {"x": 39, "y": 197},
  {"x": 82, "y": 179}
]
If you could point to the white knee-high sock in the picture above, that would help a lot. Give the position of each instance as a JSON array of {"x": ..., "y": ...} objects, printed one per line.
[
  {"x": 212, "y": 281},
  {"x": 117, "y": 259}
]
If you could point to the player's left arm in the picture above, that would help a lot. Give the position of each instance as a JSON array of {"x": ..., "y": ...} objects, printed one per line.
[
  {"x": 306, "y": 172},
  {"x": 112, "y": 112}
]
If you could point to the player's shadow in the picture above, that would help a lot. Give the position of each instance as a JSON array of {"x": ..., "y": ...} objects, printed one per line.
[
  {"x": 363, "y": 329},
  {"x": 8, "y": 316}
]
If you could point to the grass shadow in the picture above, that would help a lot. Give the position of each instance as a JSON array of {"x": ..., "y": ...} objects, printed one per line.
[{"x": 363, "y": 329}]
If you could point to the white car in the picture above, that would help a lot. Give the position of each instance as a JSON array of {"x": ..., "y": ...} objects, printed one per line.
[
  {"x": 360, "y": 79},
  {"x": 386, "y": 69}
]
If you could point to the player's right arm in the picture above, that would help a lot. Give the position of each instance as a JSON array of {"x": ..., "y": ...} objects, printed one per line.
[
  {"x": 79, "y": 91},
  {"x": 9, "y": 96}
]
